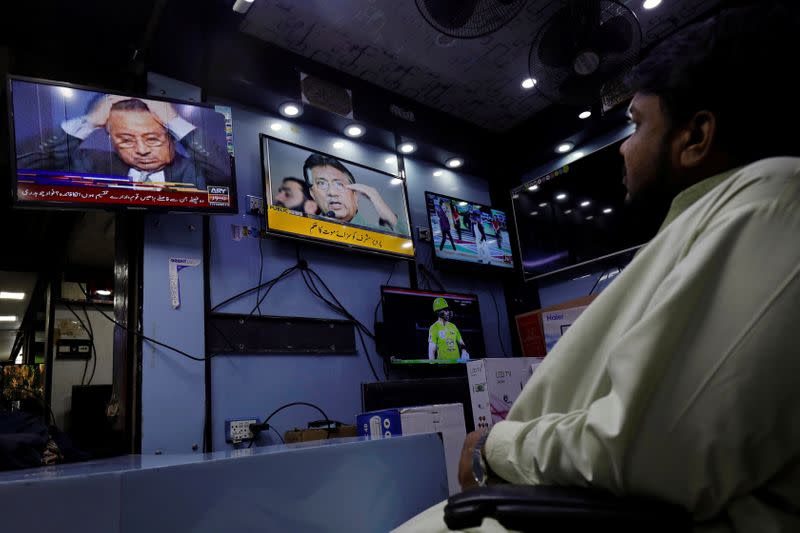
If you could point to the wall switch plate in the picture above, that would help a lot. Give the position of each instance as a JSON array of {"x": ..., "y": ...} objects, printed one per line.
[
  {"x": 238, "y": 430},
  {"x": 423, "y": 233},
  {"x": 255, "y": 205}
]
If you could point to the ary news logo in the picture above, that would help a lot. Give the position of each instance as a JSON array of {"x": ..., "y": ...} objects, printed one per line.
[{"x": 219, "y": 196}]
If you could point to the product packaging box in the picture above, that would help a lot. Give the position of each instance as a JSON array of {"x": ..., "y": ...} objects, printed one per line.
[
  {"x": 447, "y": 419},
  {"x": 494, "y": 384}
]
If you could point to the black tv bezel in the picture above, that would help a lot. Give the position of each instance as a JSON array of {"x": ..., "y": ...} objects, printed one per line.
[
  {"x": 529, "y": 276},
  {"x": 117, "y": 208},
  {"x": 443, "y": 294},
  {"x": 474, "y": 265},
  {"x": 267, "y": 189}
]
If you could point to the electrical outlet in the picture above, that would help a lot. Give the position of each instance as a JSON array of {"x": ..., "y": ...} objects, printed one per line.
[
  {"x": 423, "y": 233},
  {"x": 255, "y": 205},
  {"x": 238, "y": 430}
]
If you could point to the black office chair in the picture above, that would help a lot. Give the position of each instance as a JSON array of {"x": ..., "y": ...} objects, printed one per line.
[{"x": 543, "y": 509}]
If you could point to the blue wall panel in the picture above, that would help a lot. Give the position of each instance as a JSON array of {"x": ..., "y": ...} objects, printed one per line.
[{"x": 254, "y": 385}]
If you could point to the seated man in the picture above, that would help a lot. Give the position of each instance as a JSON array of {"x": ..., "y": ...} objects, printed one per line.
[
  {"x": 294, "y": 194},
  {"x": 679, "y": 383}
]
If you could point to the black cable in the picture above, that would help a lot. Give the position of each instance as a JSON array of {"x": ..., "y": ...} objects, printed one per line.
[
  {"x": 278, "y": 434},
  {"x": 271, "y": 283},
  {"x": 94, "y": 345},
  {"x": 260, "y": 267},
  {"x": 499, "y": 333},
  {"x": 143, "y": 336},
  {"x": 248, "y": 291},
  {"x": 344, "y": 310},
  {"x": 596, "y": 283},
  {"x": 380, "y": 298},
  {"x": 86, "y": 365},
  {"x": 366, "y": 354},
  {"x": 292, "y": 404}
]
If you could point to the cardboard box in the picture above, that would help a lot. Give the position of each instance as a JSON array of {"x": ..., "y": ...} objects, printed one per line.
[
  {"x": 494, "y": 384},
  {"x": 447, "y": 419},
  {"x": 540, "y": 329},
  {"x": 305, "y": 435}
]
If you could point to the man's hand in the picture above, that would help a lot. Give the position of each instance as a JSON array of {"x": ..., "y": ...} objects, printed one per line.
[
  {"x": 465, "y": 476},
  {"x": 384, "y": 211},
  {"x": 98, "y": 116},
  {"x": 163, "y": 111}
]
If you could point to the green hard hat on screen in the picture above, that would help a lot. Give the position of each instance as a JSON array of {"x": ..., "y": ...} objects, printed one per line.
[{"x": 439, "y": 304}]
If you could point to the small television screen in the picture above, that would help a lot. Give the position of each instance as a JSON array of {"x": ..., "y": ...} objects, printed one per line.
[
  {"x": 576, "y": 215},
  {"x": 315, "y": 196},
  {"x": 423, "y": 326},
  {"x": 81, "y": 147},
  {"x": 468, "y": 232}
]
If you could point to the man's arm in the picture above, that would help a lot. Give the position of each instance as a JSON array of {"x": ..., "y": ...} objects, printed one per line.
[
  {"x": 697, "y": 395},
  {"x": 431, "y": 345}
]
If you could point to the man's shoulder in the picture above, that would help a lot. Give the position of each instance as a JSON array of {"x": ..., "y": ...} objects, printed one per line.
[
  {"x": 770, "y": 172},
  {"x": 762, "y": 182}
]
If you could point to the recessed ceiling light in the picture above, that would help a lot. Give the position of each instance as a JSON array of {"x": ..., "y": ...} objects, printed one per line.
[
  {"x": 590, "y": 217},
  {"x": 586, "y": 203},
  {"x": 563, "y": 148},
  {"x": 577, "y": 155},
  {"x": 391, "y": 160},
  {"x": 338, "y": 144},
  {"x": 543, "y": 204},
  {"x": 103, "y": 292},
  {"x": 561, "y": 196},
  {"x": 585, "y": 114},
  {"x": 290, "y": 109},
  {"x": 396, "y": 181},
  {"x": 533, "y": 187},
  {"x": 6, "y": 295},
  {"x": 8, "y": 318},
  {"x": 355, "y": 130},
  {"x": 66, "y": 92},
  {"x": 242, "y": 6},
  {"x": 438, "y": 173},
  {"x": 651, "y": 4},
  {"x": 406, "y": 245},
  {"x": 534, "y": 213},
  {"x": 568, "y": 211},
  {"x": 407, "y": 147},
  {"x": 529, "y": 83},
  {"x": 514, "y": 196},
  {"x": 454, "y": 162},
  {"x": 462, "y": 204},
  {"x": 607, "y": 210},
  {"x": 276, "y": 126}
]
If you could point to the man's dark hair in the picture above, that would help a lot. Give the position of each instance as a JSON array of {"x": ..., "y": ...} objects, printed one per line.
[
  {"x": 318, "y": 160},
  {"x": 737, "y": 66},
  {"x": 303, "y": 186},
  {"x": 132, "y": 104}
]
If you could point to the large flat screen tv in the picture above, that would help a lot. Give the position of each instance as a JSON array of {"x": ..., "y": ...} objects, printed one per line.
[
  {"x": 577, "y": 216},
  {"x": 321, "y": 198},
  {"x": 430, "y": 327},
  {"x": 467, "y": 232},
  {"x": 77, "y": 147}
]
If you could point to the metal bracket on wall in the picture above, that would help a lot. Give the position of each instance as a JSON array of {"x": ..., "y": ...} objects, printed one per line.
[{"x": 253, "y": 334}]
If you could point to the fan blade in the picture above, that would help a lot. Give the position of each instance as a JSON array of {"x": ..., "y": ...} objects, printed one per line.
[
  {"x": 557, "y": 43},
  {"x": 451, "y": 14},
  {"x": 614, "y": 37}
]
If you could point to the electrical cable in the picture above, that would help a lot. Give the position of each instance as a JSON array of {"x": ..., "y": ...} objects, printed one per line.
[
  {"x": 260, "y": 266},
  {"x": 499, "y": 333},
  {"x": 86, "y": 365},
  {"x": 278, "y": 434},
  {"x": 94, "y": 345},
  {"x": 143, "y": 336},
  {"x": 292, "y": 404}
]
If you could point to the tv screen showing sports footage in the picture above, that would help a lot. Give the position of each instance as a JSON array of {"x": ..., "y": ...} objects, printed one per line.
[
  {"x": 425, "y": 326},
  {"x": 315, "y": 196},
  {"x": 468, "y": 232},
  {"x": 85, "y": 148}
]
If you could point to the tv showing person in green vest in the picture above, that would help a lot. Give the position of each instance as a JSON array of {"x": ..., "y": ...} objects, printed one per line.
[{"x": 444, "y": 339}]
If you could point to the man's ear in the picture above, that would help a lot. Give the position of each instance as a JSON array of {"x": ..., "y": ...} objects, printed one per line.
[{"x": 697, "y": 139}]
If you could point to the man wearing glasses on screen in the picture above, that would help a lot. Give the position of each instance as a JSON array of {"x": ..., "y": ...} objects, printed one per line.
[{"x": 337, "y": 194}]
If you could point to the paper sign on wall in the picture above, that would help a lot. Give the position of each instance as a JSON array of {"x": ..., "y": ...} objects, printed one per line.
[{"x": 176, "y": 264}]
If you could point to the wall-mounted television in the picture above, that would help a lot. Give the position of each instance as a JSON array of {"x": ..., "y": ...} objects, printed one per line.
[
  {"x": 430, "y": 327},
  {"x": 467, "y": 232},
  {"x": 78, "y": 147},
  {"x": 577, "y": 215},
  {"x": 321, "y": 198}
]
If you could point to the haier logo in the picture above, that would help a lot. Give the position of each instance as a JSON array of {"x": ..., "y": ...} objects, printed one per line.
[
  {"x": 218, "y": 190},
  {"x": 554, "y": 316}
]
